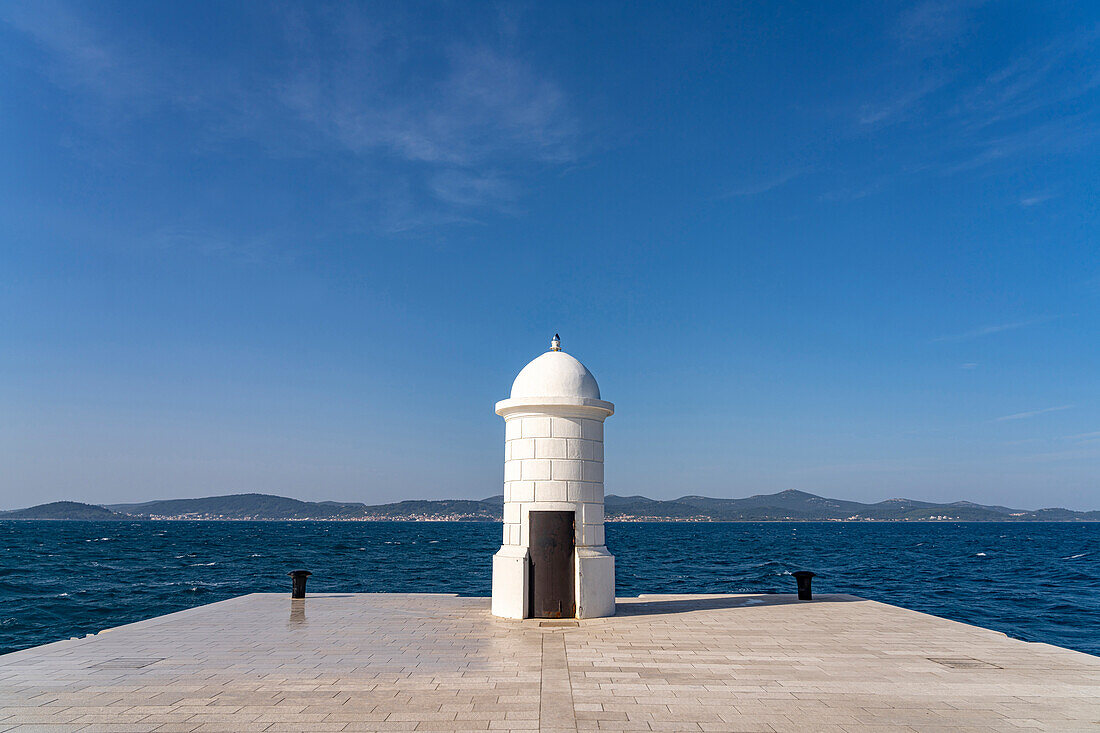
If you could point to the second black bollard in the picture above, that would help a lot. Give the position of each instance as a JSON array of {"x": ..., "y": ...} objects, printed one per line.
[
  {"x": 298, "y": 583},
  {"x": 804, "y": 578}
]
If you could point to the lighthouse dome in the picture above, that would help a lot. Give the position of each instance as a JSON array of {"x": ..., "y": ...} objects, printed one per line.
[{"x": 555, "y": 374}]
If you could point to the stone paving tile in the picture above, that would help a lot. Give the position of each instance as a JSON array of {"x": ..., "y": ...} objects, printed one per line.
[{"x": 379, "y": 662}]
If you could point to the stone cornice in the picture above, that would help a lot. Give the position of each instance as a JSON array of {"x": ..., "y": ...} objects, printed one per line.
[{"x": 559, "y": 406}]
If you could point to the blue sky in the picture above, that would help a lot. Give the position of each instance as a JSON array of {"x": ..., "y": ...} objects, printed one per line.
[{"x": 302, "y": 249}]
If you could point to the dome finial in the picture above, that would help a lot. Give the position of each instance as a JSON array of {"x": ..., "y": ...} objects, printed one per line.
[{"x": 555, "y": 345}]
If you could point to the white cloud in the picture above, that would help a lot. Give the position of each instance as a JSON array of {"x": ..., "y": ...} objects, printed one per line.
[
  {"x": 990, "y": 330},
  {"x": 960, "y": 120},
  {"x": 933, "y": 21},
  {"x": 84, "y": 58},
  {"x": 762, "y": 185},
  {"x": 454, "y": 123},
  {"x": 466, "y": 188},
  {"x": 1083, "y": 437},
  {"x": 1034, "y": 200},
  {"x": 251, "y": 249},
  {"x": 487, "y": 106},
  {"x": 1032, "y": 413},
  {"x": 898, "y": 107}
]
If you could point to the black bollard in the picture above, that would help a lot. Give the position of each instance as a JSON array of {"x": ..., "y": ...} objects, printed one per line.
[
  {"x": 804, "y": 578},
  {"x": 298, "y": 579}
]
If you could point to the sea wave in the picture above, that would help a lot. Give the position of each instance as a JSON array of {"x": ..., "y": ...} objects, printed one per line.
[{"x": 1037, "y": 582}]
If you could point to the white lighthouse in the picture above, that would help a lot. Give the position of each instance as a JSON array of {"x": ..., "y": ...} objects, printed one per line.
[{"x": 553, "y": 563}]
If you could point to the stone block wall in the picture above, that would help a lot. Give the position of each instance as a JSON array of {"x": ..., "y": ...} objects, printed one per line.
[{"x": 553, "y": 460}]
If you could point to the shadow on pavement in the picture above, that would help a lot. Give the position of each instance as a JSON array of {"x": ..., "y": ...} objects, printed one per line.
[{"x": 653, "y": 605}]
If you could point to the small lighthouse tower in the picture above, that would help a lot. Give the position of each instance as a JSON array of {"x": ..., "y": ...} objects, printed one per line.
[{"x": 553, "y": 563}]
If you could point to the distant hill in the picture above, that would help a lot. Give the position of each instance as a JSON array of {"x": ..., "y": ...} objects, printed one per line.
[
  {"x": 63, "y": 510},
  {"x": 799, "y": 505},
  {"x": 241, "y": 506},
  {"x": 788, "y": 505},
  {"x": 266, "y": 506}
]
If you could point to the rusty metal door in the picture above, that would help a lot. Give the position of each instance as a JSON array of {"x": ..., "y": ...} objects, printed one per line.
[{"x": 551, "y": 586}]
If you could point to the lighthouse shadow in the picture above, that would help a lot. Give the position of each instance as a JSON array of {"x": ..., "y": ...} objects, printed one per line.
[{"x": 663, "y": 605}]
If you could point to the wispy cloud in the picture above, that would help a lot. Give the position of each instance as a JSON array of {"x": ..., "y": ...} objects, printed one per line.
[
  {"x": 1035, "y": 199},
  {"x": 1077, "y": 453},
  {"x": 1027, "y": 106},
  {"x": 992, "y": 329},
  {"x": 762, "y": 185},
  {"x": 487, "y": 106},
  {"x": 1078, "y": 438},
  {"x": 855, "y": 193},
  {"x": 1037, "y": 78},
  {"x": 471, "y": 188},
  {"x": 77, "y": 55},
  {"x": 898, "y": 107},
  {"x": 454, "y": 123},
  {"x": 252, "y": 249},
  {"x": 962, "y": 120},
  {"x": 1061, "y": 134},
  {"x": 933, "y": 21},
  {"x": 921, "y": 31},
  {"x": 1083, "y": 437},
  {"x": 1032, "y": 413}
]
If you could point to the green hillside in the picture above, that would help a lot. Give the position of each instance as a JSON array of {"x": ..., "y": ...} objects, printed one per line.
[
  {"x": 63, "y": 510},
  {"x": 788, "y": 505}
]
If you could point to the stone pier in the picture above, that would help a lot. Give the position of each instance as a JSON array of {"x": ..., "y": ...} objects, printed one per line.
[{"x": 383, "y": 662}]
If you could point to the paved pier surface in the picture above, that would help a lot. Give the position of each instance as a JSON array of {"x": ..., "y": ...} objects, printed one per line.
[{"x": 373, "y": 662}]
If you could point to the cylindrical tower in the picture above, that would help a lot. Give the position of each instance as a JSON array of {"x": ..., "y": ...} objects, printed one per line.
[{"x": 553, "y": 563}]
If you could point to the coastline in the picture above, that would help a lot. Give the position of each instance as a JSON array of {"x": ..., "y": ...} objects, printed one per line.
[{"x": 610, "y": 519}]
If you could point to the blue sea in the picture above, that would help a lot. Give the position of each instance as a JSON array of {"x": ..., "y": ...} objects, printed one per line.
[{"x": 1039, "y": 582}]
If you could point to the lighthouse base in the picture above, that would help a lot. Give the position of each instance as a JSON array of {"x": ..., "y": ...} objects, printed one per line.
[
  {"x": 510, "y": 577},
  {"x": 594, "y": 582}
]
